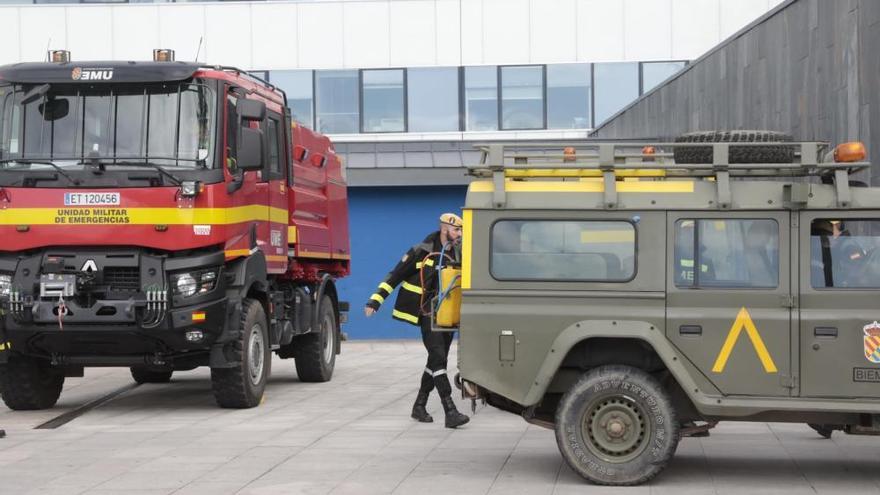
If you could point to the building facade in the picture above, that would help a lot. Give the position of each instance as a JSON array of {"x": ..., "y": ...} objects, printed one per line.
[{"x": 405, "y": 87}]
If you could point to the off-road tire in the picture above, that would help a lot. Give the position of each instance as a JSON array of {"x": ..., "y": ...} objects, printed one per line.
[
  {"x": 142, "y": 375},
  {"x": 234, "y": 387},
  {"x": 617, "y": 394},
  {"x": 739, "y": 153},
  {"x": 315, "y": 352},
  {"x": 27, "y": 384}
]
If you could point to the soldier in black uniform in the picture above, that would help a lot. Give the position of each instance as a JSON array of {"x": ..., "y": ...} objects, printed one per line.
[{"x": 417, "y": 275}]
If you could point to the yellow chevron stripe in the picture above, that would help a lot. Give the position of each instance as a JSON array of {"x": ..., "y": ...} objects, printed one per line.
[{"x": 147, "y": 216}]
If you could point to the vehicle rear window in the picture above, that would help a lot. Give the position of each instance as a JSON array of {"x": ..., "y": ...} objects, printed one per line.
[
  {"x": 602, "y": 251},
  {"x": 844, "y": 253},
  {"x": 726, "y": 253}
]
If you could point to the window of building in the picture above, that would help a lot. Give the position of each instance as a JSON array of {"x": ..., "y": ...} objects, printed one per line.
[
  {"x": 727, "y": 253},
  {"x": 522, "y": 97},
  {"x": 568, "y": 96},
  {"x": 481, "y": 98},
  {"x": 432, "y": 99},
  {"x": 336, "y": 101},
  {"x": 844, "y": 253},
  {"x": 615, "y": 85},
  {"x": 383, "y": 101},
  {"x": 653, "y": 73},
  {"x": 563, "y": 250},
  {"x": 297, "y": 85}
]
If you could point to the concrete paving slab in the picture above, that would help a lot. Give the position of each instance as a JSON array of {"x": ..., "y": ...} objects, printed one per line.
[{"x": 354, "y": 436}]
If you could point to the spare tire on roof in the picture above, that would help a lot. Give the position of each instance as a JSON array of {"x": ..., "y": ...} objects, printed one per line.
[{"x": 739, "y": 153}]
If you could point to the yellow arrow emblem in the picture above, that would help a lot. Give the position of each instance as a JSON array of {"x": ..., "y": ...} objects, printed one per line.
[{"x": 744, "y": 320}]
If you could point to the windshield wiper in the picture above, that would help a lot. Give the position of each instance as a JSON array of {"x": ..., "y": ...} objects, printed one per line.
[
  {"x": 28, "y": 161},
  {"x": 176, "y": 180}
]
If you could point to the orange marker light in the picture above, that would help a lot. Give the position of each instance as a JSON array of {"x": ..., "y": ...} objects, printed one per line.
[{"x": 850, "y": 152}]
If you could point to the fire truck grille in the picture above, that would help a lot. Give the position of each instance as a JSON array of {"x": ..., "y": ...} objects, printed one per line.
[{"x": 122, "y": 279}]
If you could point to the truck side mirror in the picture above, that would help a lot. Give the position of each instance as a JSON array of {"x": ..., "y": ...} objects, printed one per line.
[
  {"x": 250, "y": 149},
  {"x": 250, "y": 110}
]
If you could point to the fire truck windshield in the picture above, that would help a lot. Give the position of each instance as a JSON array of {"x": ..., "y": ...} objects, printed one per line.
[{"x": 67, "y": 125}]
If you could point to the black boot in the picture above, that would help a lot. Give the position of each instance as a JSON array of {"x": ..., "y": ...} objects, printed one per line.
[
  {"x": 419, "y": 413},
  {"x": 454, "y": 418}
]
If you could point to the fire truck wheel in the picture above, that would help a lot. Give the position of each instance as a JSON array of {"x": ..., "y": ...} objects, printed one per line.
[
  {"x": 315, "y": 352},
  {"x": 145, "y": 375},
  {"x": 242, "y": 386},
  {"x": 28, "y": 384}
]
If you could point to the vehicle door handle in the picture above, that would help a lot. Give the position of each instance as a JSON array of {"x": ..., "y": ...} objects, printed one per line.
[
  {"x": 828, "y": 332},
  {"x": 690, "y": 330}
]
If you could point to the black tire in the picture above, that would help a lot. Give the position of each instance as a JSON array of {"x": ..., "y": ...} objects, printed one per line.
[
  {"x": 738, "y": 154},
  {"x": 646, "y": 429},
  {"x": 315, "y": 352},
  {"x": 242, "y": 386},
  {"x": 142, "y": 374},
  {"x": 27, "y": 384}
]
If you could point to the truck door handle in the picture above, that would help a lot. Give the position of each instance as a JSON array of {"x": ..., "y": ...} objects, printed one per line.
[
  {"x": 690, "y": 330},
  {"x": 828, "y": 332}
]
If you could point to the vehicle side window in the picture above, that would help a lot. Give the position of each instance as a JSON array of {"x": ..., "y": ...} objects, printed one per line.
[
  {"x": 602, "y": 251},
  {"x": 726, "y": 253},
  {"x": 231, "y": 134},
  {"x": 844, "y": 253},
  {"x": 274, "y": 154}
]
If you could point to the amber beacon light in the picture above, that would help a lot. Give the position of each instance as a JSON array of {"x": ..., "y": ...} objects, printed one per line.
[{"x": 850, "y": 152}]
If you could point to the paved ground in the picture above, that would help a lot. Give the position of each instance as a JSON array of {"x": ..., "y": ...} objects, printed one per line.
[{"x": 353, "y": 435}]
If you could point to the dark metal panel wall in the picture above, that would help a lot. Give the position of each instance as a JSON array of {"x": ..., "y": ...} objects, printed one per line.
[{"x": 811, "y": 68}]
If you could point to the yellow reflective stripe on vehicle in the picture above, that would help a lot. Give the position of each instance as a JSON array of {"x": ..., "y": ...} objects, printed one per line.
[
  {"x": 72, "y": 216},
  {"x": 591, "y": 186},
  {"x": 405, "y": 316},
  {"x": 291, "y": 234},
  {"x": 387, "y": 288},
  {"x": 466, "y": 247},
  {"x": 412, "y": 288},
  {"x": 378, "y": 298},
  {"x": 607, "y": 236},
  {"x": 583, "y": 172}
]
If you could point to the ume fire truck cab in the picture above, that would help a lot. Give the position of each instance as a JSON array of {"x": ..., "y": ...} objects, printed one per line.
[{"x": 162, "y": 216}]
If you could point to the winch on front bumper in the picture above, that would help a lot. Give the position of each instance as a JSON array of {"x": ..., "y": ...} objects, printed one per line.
[{"x": 100, "y": 307}]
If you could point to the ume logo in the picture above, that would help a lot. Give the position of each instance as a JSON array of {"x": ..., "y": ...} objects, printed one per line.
[{"x": 80, "y": 74}]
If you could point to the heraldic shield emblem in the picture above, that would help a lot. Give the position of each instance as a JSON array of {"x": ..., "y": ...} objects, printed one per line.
[{"x": 872, "y": 342}]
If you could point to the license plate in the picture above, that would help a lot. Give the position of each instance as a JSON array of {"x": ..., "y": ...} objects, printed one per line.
[{"x": 91, "y": 199}]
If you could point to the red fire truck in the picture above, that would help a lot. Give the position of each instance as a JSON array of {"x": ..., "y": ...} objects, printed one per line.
[{"x": 162, "y": 216}]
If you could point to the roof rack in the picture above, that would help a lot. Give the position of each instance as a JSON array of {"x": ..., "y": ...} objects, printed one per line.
[{"x": 653, "y": 161}]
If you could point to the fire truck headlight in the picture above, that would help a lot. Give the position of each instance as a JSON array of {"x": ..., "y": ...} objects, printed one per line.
[
  {"x": 5, "y": 284},
  {"x": 189, "y": 188},
  {"x": 188, "y": 284}
]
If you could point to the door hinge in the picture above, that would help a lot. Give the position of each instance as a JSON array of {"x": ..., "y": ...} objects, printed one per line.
[
  {"x": 788, "y": 381},
  {"x": 788, "y": 301}
]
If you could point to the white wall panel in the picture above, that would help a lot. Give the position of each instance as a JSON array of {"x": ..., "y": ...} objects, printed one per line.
[
  {"x": 648, "y": 30},
  {"x": 600, "y": 30},
  {"x": 39, "y": 25},
  {"x": 553, "y": 31},
  {"x": 413, "y": 36},
  {"x": 737, "y": 15},
  {"x": 9, "y": 36},
  {"x": 506, "y": 31},
  {"x": 136, "y": 32},
  {"x": 448, "y": 32},
  {"x": 274, "y": 28},
  {"x": 471, "y": 32},
  {"x": 695, "y": 27},
  {"x": 320, "y": 38},
  {"x": 90, "y": 32},
  {"x": 180, "y": 28},
  {"x": 227, "y": 35},
  {"x": 366, "y": 34}
]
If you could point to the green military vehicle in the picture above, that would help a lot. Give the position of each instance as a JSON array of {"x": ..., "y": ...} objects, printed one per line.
[{"x": 628, "y": 294}]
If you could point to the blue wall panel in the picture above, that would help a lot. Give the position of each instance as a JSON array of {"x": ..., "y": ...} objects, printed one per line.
[{"x": 385, "y": 222}]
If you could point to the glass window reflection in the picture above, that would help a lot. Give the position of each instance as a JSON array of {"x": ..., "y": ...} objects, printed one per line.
[
  {"x": 654, "y": 73},
  {"x": 615, "y": 86},
  {"x": 522, "y": 97},
  {"x": 568, "y": 96},
  {"x": 432, "y": 99},
  {"x": 336, "y": 101},
  {"x": 383, "y": 101},
  {"x": 481, "y": 98},
  {"x": 297, "y": 84}
]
